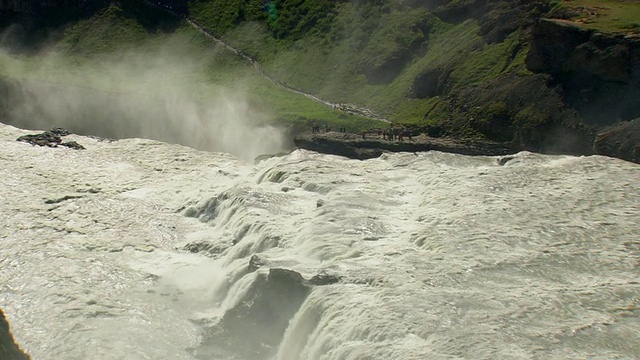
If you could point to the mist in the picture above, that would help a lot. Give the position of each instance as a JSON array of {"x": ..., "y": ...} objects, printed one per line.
[{"x": 161, "y": 94}]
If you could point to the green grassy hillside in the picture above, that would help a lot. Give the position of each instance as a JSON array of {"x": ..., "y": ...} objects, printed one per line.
[
  {"x": 378, "y": 54},
  {"x": 130, "y": 46},
  {"x": 448, "y": 67}
]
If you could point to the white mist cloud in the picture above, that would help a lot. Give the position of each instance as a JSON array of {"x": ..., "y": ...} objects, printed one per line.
[{"x": 161, "y": 94}]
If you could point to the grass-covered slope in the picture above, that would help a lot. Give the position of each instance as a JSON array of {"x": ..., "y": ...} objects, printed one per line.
[
  {"x": 400, "y": 59},
  {"x": 450, "y": 67},
  {"x": 133, "y": 47},
  {"x": 611, "y": 16}
]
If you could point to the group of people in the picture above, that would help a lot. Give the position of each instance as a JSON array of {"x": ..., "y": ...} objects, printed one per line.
[
  {"x": 392, "y": 134},
  {"x": 315, "y": 129},
  {"x": 400, "y": 134},
  {"x": 388, "y": 134}
]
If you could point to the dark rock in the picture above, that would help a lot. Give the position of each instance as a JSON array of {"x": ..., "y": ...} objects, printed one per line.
[
  {"x": 430, "y": 83},
  {"x": 255, "y": 326},
  {"x": 60, "y": 131},
  {"x": 355, "y": 147},
  {"x": 47, "y": 138},
  {"x": 526, "y": 112},
  {"x": 502, "y": 18},
  {"x": 206, "y": 248},
  {"x": 457, "y": 11},
  {"x": 612, "y": 63},
  {"x": 256, "y": 262},
  {"x": 73, "y": 145},
  {"x": 9, "y": 350},
  {"x": 51, "y": 138},
  {"x": 553, "y": 44},
  {"x": 324, "y": 279},
  {"x": 64, "y": 198},
  {"x": 434, "y": 131},
  {"x": 621, "y": 141},
  {"x": 599, "y": 73}
]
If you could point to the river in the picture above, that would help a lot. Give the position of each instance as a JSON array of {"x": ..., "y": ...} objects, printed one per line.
[{"x": 138, "y": 249}]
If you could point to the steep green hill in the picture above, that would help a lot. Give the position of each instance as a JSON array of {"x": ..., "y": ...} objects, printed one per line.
[
  {"x": 464, "y": 68},
  {"x": 134, "y": 47},
  {"x": 478, "y": 69}
]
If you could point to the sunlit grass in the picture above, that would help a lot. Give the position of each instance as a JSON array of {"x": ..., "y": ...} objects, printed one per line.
[
  {"x": 606, "y": 15},
  {"x": 91, "y": 55}
]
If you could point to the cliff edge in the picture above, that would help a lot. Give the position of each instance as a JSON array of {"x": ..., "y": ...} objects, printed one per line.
[{"x": 372, "y": 145}]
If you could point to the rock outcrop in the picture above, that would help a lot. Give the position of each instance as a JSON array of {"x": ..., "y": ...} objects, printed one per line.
[
  {"x": 51, "y": 138},
  {"x": 9, "y": 350},
  {"x": 255, "y": 326},
  {"x": 622, "y": 141},
  {"x": 373, "y": 145},
  {"x": 599, "y": 73}
]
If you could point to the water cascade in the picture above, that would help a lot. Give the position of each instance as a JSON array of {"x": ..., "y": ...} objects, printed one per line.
[{"x": 137, "y": 249}]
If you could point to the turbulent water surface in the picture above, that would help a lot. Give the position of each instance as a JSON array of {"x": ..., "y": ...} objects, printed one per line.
[{"x": 137, "y": 249}]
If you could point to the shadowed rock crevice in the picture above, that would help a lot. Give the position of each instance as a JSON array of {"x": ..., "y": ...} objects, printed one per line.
[
  {"x": 9, "y": 350},
  {"x": 430, "y": 83},
  {"x": 255, "y": 326}
]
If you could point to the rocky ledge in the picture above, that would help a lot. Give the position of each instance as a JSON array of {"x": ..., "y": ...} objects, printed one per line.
[
  {"x": 373, "y": 145},
  {"x": 621, "y": 141}
]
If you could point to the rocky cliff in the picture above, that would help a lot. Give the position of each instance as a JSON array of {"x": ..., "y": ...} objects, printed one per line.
[
  {"x": 599, "y": 78},
  {"x": 598, "y": 73}
]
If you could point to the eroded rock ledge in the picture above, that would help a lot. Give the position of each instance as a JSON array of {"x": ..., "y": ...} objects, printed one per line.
[
  {"x": 371, "y": 146},
  {"x": 621, "y": 141}
]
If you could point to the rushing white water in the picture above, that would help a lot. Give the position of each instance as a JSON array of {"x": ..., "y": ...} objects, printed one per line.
[{"x": 437, "y": 255}]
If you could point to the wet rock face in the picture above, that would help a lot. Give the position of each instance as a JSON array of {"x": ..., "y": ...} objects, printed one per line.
[
  {"x": 256, "y": 325},
  {"x": 622, "y": 141},
  {"x": 9, "y": 350},
  {"x": 609, "y": 63},
  {"x": 553, "y": 45},
  {"x": 599, "y": 73},
  {"x": 562, "y": 48}
]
